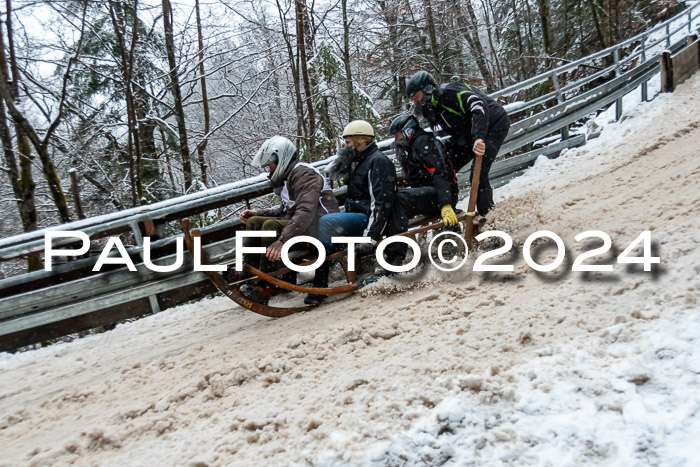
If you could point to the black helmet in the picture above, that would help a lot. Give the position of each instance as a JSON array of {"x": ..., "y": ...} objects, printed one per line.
[
  {"x": 420, "y": 81},
  {"x": 406, "y": 124}
]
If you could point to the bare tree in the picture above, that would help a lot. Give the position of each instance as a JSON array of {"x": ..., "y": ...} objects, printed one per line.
[
  {"x": 177, "y": 94},
  {"x": 40, "y": 144},
  {"x": 346, "y": 60},
  {"x": 546, "y": 22},
  {"x": 470, "y": 30},
  {"x": 127, "y": 67},
  {"x": 201, "y": 147},
  {"x": 302, "y": 47},
  {"x": 434, "y": 46},
  {"x": 21, "y": 179}
]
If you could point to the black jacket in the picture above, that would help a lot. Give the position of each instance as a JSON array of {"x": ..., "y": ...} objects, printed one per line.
[
  {"x": 427, "y": 164},
  {"x": 371, "y": 189},
  {"x": 467, "y": 114}
]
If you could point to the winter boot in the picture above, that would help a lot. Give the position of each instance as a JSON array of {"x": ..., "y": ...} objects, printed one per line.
[
  {"x": 231, "y": 275},
  {"x": 479, "y": 223},
  {"x": 320, "y": 280},
  {"x": 260, "y": 293}
]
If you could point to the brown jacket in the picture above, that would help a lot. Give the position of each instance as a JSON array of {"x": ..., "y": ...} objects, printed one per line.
[{"x": 311, "y": 197}]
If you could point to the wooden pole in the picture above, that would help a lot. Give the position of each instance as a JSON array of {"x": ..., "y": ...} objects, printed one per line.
[
  {"x": 666, "y": 72},
  {"x": 471, "y": 210}
]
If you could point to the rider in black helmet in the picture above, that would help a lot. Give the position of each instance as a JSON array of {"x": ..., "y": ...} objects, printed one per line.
[
  {"x": 425, "y": 165},
  {"x": 431, "y": 179},
  {"x": 477, "y": 124}
]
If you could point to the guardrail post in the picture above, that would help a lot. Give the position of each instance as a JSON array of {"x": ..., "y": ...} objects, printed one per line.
[
  {"x": 560, "y": 100},
  {"x": 152, "y": 299},
  {"x": 645, "y": 91},
  {"x": 668, "y": 34},
  {"x": 618, "y": 102},
  {"x": 690, "y": 19},
  {"x": 666, "y": 72}
]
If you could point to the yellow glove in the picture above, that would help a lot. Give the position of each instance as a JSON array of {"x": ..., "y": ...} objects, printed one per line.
[{"x": 448, "y": 216}]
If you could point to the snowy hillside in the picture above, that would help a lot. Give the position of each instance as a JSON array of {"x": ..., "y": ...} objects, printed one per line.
[{"x": 558, "y": 368}]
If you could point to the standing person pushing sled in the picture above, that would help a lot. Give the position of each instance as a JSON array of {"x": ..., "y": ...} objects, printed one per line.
[
  {"x": 306, "y": 196},
  {"x": 477, "y": 124}
]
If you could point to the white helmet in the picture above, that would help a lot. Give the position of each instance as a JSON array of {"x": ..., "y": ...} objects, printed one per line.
[
  {"x": 278, "y": 150},
  {"x": 358, "y": 128}
]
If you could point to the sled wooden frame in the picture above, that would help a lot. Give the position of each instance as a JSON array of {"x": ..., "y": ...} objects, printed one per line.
[
  {"x": 232, "y": 290},
  {"x": 229, "y": 290}
]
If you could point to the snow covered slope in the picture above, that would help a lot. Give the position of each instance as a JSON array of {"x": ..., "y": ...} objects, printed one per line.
[{"x": 559, "y": 368}]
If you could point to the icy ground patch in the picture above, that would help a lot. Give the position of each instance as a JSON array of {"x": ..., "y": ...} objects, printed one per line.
[{"x": 624, "y": 397}]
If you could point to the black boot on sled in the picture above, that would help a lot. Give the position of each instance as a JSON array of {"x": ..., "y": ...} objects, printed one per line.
[{"x": 320, "y": 280}]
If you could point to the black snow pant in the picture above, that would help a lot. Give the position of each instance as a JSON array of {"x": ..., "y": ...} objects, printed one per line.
[
  {"x": 408, "y": 203},
  {"x": 462, "y": 155}
]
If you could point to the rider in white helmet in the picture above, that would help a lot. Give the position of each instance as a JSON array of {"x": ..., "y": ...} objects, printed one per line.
[
  {"x": 306, "y": 196},
  {"x": 371, "y": 181}
]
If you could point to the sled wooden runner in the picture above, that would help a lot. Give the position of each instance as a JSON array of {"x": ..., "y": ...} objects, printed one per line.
[
  {"x": 300, "y": 288},
  {"x": 232, "y": 290}
]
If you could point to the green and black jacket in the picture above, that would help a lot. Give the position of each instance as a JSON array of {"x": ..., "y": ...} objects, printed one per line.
[{"x": 467, "y": 114}]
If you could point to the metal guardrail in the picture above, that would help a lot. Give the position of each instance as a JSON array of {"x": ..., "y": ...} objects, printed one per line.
[{"x": 37, "y": 300}]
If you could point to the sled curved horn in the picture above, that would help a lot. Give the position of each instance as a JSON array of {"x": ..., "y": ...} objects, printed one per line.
[{"x": 230, "y": 291}]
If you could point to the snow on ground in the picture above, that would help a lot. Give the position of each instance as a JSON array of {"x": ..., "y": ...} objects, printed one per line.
[{"x": 559, "y": 368}]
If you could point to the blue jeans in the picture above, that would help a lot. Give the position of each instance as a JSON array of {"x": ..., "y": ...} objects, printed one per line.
[{"x": 340, "y": 224}]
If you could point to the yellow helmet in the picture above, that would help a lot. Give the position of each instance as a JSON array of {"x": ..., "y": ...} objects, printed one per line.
[{"x": 358, "y": 128}]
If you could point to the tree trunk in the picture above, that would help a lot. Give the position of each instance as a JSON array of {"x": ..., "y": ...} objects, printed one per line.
[
  {"x": 582, "y": 36},
  {"x": 308, "y": 92},
  {"x": 471, "y": 34},
  {"x": 419, "y": 33},
  {"x": 13, "y": 172},
  {"x": 127, "y": 58},
  {"x": 21, "y": 179},
  {"x": 566, "y": 37},
  {"x": 494, "y": 52},
  {"x": 26, "y": 132},
  {"x": 598, "y": 28},
  {"x": 146, "y": 132},
  {"x": 546, "y": 22},
  {"x": 521, "y": 52},
  {"x": 530, "y": 41},
  {"x": 346, "y": 62},
  {"x": 293, "y": 65},
  {"x": 398, "y": 96},
  {"x": 434, "y": 48},
  {"x": 177, "y": 95},
  {"x": 205, "y": 101},
  {"x": 609, "y": 16}
]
